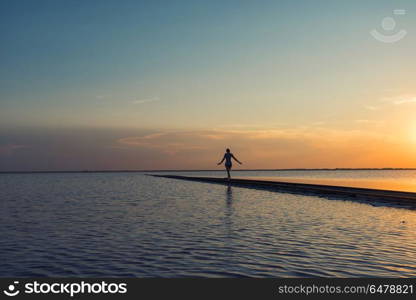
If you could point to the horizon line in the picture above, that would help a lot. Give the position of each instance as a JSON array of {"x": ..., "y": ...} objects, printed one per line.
[{"x": 203, "y": 170}]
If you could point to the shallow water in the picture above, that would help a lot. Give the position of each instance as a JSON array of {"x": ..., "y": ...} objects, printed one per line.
[
  {"x": 394, "y": 180},
  {"x": 129, "y": 224}
]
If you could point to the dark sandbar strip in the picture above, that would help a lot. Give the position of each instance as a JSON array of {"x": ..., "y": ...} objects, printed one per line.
[{"x": 404, "y": 199}]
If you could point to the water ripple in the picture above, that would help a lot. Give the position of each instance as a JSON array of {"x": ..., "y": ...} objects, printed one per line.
[{"x": 131, "y": 225}]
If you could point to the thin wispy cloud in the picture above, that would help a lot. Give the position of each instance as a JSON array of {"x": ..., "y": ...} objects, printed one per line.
[
  {"x": 147, "y": 100},
  {"x": 283, "y": 148},
  {"x": 370, "y": 122},
  {"x": 203, "y": 139},
  {"x": 101, "y": 149},
  {"x": 9, "y": 149},
  {"x": 405, "y": 100},
  {"x": 399, "y": 99},
  {"x": 371, "y": 107},
  {"x": 102, "y": 96},
  {"x": 318, "y": 123},
  {"x": 392, "y": 101}
]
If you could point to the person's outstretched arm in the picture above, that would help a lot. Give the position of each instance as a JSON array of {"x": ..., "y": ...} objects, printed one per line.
[
  {"x": 236, "y": 159},
  {"x": 221, "y": 160}
]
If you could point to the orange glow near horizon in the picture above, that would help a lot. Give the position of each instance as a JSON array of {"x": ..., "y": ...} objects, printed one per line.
[{"x": 268, "y": 149}]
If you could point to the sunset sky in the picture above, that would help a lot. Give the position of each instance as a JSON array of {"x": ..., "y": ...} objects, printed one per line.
[{"x": 170, "y": 84}]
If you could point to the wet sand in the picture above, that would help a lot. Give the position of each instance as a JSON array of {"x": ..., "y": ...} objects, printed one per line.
[
  {"x": 378, "y": 184},
  {"x": 359, "y": 190}
]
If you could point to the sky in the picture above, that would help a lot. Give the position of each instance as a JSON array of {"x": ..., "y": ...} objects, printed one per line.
[{"x": 110, "y": 85}]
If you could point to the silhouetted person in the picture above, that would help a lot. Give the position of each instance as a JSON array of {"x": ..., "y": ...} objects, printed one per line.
[{"x": 228, "y": 156}]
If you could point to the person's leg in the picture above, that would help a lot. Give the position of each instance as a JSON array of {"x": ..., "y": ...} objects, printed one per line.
[{"x": 228, "y": 172}]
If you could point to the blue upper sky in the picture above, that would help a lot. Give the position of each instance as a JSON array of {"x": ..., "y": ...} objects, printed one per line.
[{"x": 61, "y": 56}]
